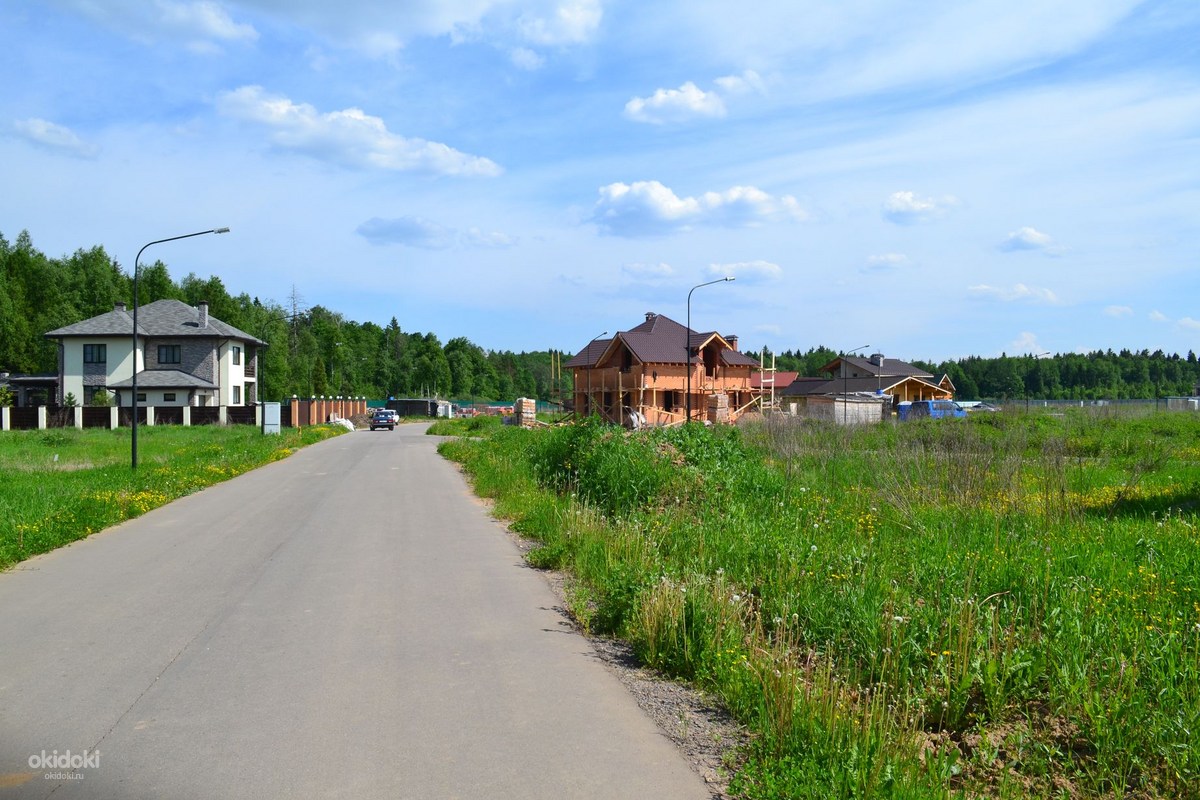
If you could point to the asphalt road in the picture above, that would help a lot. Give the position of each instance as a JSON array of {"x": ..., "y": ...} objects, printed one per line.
[{"x": 348, "y": 622}]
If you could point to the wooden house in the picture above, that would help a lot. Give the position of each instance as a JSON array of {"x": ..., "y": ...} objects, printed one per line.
[
  {"x": 872, "y": 376},
  {"x": 642, "y": 375}
]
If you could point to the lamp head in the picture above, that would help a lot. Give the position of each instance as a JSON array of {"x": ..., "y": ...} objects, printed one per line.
[{"x": 221, "y": 230}]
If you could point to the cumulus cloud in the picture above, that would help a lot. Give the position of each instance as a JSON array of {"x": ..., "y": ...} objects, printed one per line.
[
  {"x": 1157, "y": 316},
  {"x": 1190, "y": 323},
  {"x": 1026, "y": 342},
  {"x": 747, "y": 270},
  {"x": 349, "y": 137},
  {"x": 1030, "y": 239},
  {"x": 1017, "y": 293},
  {"x": 52, "y": 136},
  {"x": 648, "y": 208},
  {"x": 675, "y": 105},
  {"x": 689, "y": 101},
  {"x": 908, "y": 208},
  {"x": 887, "y": 261},
  {"x": 1118, "y": 311},
  {"x": 570, "y": 22},
  {"x": 428, "y": 235}
]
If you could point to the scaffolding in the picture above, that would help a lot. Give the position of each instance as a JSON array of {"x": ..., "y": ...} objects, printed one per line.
[{"x": 766, "y": 400}]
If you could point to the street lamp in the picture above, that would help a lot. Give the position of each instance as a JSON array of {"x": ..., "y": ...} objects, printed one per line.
[
  {"x": 687, "y": 353},
  {"x": 845, "y": 381},
  {"x": 586, "y": 353},
  {"x": 133, "y": 405}
]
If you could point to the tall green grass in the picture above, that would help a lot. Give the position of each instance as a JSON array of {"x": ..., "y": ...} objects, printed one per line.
[
  {"x": 60, "y": 485},
  {"x": 1006, "y": 606}
]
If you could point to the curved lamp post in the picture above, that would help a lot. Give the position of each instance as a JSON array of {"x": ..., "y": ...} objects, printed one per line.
[
  {"x": 133, "y": 405},
  {"x": 687, "y": 350},
  {"x": 590, "y": 368},
  {"x": 845, "y": 381}
]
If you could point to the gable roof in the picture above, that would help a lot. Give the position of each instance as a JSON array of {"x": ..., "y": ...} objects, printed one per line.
[
  {"x": 889, "y": 367},
  {"x": 162, "y": 318},
  {"x": 802, "y": 387},
  {"x": 658, "y": 340}
]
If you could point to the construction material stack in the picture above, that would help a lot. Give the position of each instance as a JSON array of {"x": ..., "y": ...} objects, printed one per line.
[{"x": 525, "y": 410}]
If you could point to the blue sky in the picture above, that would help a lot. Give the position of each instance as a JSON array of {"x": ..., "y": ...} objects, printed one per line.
[{"x": 963, "y": 178}]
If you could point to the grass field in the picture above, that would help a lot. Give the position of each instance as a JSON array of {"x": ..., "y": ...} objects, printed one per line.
[
  {"x": 63, "y": 484},
  {"x": 1006, "y": 606}
]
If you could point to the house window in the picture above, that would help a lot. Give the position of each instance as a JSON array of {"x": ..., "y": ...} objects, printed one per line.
[
  {"x": 168, "y": 354},
  {"x": 237, "y": 355},
  {"x": 237, "y": 395},
  {"x": 168, "y": 397},
  {"x": 141, "y": 397},
  {"x": 95, "y": 353}
]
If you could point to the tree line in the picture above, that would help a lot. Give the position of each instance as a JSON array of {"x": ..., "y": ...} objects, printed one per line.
[
  {"x": 312, "y": 350},
  {"x": 317, "y": 351}
]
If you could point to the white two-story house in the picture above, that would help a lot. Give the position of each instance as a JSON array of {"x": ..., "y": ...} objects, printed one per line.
[{"x": 183, "y": 357}]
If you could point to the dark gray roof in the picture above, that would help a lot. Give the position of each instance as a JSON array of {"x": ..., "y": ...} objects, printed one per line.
[
  {"x": 890, "y": 367},
  {"x": 813, "y": 386},
  {"x": 658, "y": 340},
  {"x": 588, "y": 356},
  {"x": 164, "y": 379},
  {"x": 160, "y": 319}
]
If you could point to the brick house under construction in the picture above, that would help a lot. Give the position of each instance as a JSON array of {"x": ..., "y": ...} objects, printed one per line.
[{"x": 641, "y": 375}]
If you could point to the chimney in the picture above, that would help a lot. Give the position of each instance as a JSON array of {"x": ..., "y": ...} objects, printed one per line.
[
  {"x": 118, "y": 306},
  {"x": 877, "y": 359},
  {"x": 202, "y": 306},
  {"x": 650, "y": 315},
  {"x": 733, "y": 340}
]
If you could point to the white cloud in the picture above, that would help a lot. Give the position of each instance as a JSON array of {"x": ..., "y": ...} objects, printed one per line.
[
  {"x": 1190, "y": 323},
  {"x": 207, "y": 19},
  {"x": 1027, "y": 238},
  {"x": 648, "y": 208},
  {"x": 748, "y": 81},
  {"x": 571, "y": 22},
  {"x": 747, "y": 270},
  {"x": 675, "y": 105},
  {"x": 200, "y": 24},
  {"x": 1026, "y": 342},
  {"x": 52, "y": 136},
  {"x": 1118, "y": 311},
  {"x": 348, "y": 137},
  {"x": 907, "y": 208},
  {"x": 1018, "y": 293},
  {"x": 1157, "y": 316},
  {"x": 428, "y": 235},
  {"x": 689, "y": 101},
  {"x": 887, "y": 261},
  {"x": 492, "y": 240},
  {"x": 526, "y": 59}
]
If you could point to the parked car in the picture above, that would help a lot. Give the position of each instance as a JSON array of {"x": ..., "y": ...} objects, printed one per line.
[
  {"x": 383, "y": 418},
  {"x": 931, "y": 409}
]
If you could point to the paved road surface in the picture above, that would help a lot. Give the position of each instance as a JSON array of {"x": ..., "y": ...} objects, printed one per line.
[{"x": 346, "y": 623}]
